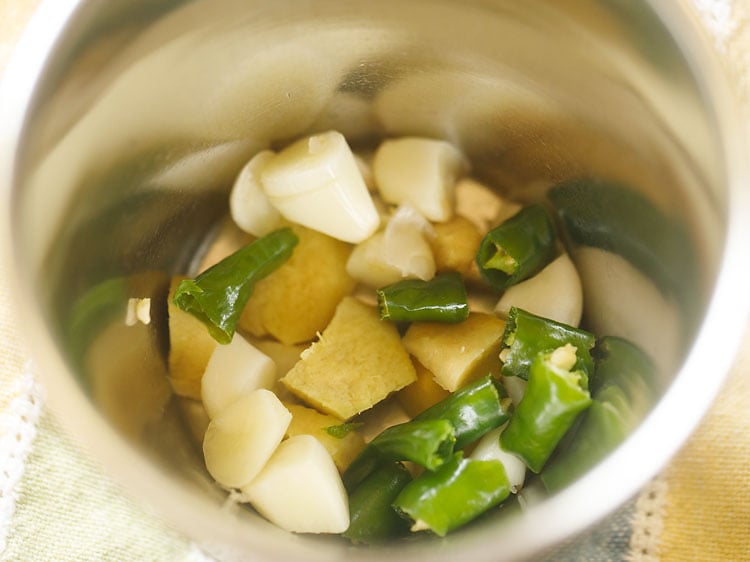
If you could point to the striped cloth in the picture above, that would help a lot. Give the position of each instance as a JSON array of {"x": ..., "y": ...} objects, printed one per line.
[{"x": 56, "y": 503}]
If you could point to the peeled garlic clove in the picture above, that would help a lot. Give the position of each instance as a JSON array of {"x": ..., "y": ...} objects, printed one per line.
[
  {"x": 401, "y": 251},
  {"x": 489, "y": 448},
  {"x": 368, "y": 263},
  {"x": 516, "y": 387},
  {"x": 240, "y": 440},
  {"x": 555, "y": 292},
  {"x": 315, "y": 182},
  {"x": 233, "y": 371},
  {"x": 300, "y": 489},
  {"x": 248, "y": 203},
  {"x": 421, "y": 172},
  {"x": 406, "y": 246}
]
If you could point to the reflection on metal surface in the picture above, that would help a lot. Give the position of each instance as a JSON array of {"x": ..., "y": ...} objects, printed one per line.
[
  {"x": 617, "y": 218},
  {"x": 623, "y": 390},
  {"x": 638, "y": 264},
  {"x": 122, "y": 364},
  {"x": 620, "y": 301}
]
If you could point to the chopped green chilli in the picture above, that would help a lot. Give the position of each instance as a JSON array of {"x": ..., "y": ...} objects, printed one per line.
[
  {"x": 429, "y": 443},
  {"x": 432, "y": 436},
  {"x": 441, "y": 299},
  {"x": 517, "y": 249},
  {"x": 473, "y": 410},
  {"x": 527, "y": 334},
  {"x": 622, "y": 392},
  {"x": 217, "y": 296},
  {"x": 461, "y": 490},
  {"x": 372, "y": 518},
  {"x": 554, "y": 397}
]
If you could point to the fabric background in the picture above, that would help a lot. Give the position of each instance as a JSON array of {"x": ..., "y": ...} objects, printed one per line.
[{"x": 56, "y": 502}]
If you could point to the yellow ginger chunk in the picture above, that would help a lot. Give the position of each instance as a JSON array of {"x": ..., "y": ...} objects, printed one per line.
[
  {"x": 357, "y": 362},
  {"x": 455, "y": 245},
  {"x": 422, "y": 393},
  {"x": 190, "y": 348},
  {"x": 457, "y": 353},
  {"x": 298, "y": 300},
  {"x": 308, "y": 421}
]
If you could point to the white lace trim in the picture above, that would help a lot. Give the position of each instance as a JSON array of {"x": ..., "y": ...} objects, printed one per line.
[
  {"x": 17, "y": 432},
  {"x": 648, "y": 522},
  {"x": 719, "y": 18}
]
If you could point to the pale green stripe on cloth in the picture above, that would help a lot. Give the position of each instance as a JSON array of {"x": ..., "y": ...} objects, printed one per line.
[{"x": 66, "y": 509}]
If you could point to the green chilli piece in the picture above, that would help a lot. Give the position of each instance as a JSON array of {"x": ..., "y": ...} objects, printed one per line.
[
  {"x": 371, "y": 517},
  {"x": 619, "y": 218},
  {"x": 455, "y": 494},
  {"x": 623, "y": 391},
  {"x": 518, "y": 248},
  {"x": 527, "y": 334},
  {"x": 428, "y": 443},
  {"x": 217, "y": 296},
  {"x": 343, "y": 429},
  {"x": 473, "y": 410},
  {"x": 604, "y": 426},
  {"x": 440, "y": 299},
  {"x": 555, "y": 395}
]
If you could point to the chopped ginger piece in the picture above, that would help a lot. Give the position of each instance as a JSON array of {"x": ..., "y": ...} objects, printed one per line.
[
  {"x": 422, "y": 393},
  {"x": 357, "y": 362},
  {"x": 455, "y": 245},
  {"x": 308, "y": 421},
  {"x": 297, "y": 301},
  {"x": 457, "y": 353},
  {"x": 190, "y": 348}
]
